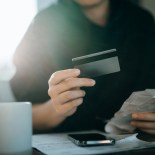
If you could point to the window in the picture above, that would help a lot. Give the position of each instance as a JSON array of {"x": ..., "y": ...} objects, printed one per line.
[{"x": 15, "y": 17}]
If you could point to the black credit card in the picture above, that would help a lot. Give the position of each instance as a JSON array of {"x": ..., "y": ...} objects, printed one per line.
[{"x": 97, "y": 64}]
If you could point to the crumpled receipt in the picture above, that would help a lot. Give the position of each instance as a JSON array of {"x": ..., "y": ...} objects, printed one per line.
[{"x": 141, "y": 101}]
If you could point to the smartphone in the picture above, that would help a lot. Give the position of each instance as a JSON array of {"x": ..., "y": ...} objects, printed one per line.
[{"x": 90, "y": 139}]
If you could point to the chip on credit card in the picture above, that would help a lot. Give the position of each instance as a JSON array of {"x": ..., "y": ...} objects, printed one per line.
[{"x": 97, "y": 64}]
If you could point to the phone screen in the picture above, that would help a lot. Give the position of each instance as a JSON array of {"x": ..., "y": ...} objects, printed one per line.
[
  {"x": 90, "y": 139},
  {"x": 86, "y": 137}
]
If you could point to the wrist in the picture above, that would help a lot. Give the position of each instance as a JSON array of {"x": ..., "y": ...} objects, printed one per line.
[{"x": 53, "y": 118}]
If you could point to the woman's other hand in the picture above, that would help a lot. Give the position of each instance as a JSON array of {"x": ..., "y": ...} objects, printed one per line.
[{"x": 145, "y": 121}]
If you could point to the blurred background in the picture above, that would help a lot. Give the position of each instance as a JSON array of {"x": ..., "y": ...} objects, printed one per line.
[{"x": 15, "y": 17}]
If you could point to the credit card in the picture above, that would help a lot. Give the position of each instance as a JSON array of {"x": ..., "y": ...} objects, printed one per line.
[{"x": 97, "y": 64}]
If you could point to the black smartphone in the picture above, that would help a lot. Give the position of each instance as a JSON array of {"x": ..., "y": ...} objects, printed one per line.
[{"x": 90, "y": 139}]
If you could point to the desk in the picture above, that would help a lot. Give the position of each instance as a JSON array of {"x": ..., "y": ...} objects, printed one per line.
[
  {"x": 150, "y": 151},
  {"x": 58, "y": 144}
]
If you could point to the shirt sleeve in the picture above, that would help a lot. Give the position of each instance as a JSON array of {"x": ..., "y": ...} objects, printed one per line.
[{"x": 33, "y": 63}]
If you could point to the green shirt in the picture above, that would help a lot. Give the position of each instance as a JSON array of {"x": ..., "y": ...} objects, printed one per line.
[{"x": 61, "y": 32}]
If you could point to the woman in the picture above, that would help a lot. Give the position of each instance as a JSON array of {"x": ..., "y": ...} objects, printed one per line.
[{"x": 74, "y": 28}]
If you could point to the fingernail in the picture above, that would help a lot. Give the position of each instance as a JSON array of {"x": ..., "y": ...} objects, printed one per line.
[
  {"x": 77, "y": 71},
  {"x": 93, "y": 82},
  {"x": 84, "y": 93}
]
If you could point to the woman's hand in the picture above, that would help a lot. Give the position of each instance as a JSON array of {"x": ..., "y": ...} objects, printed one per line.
[
  {"x": 145, "y": 121},
  {"x": 65, "y": 93},
  {"x": 66, "y": 96}
]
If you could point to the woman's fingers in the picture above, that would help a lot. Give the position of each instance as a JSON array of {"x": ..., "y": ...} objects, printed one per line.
[
  {"x": 71, "y": 112},
  {"x": 69, "y": 84},
  {"x": 143, "y": 125},
  {"x": 68, "y": 108},
  {"x": 144, "y": 116},
  {"x": 70, "y": 95},
  {"x": 74, "y": 83},
  {"x": 59, "y": 76},
  {"x": 148, "y": 131},
  {"x": 64, "y": 90},
  {"x": 145, "y": 121},
  {"x": 72, "y": 105}
]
